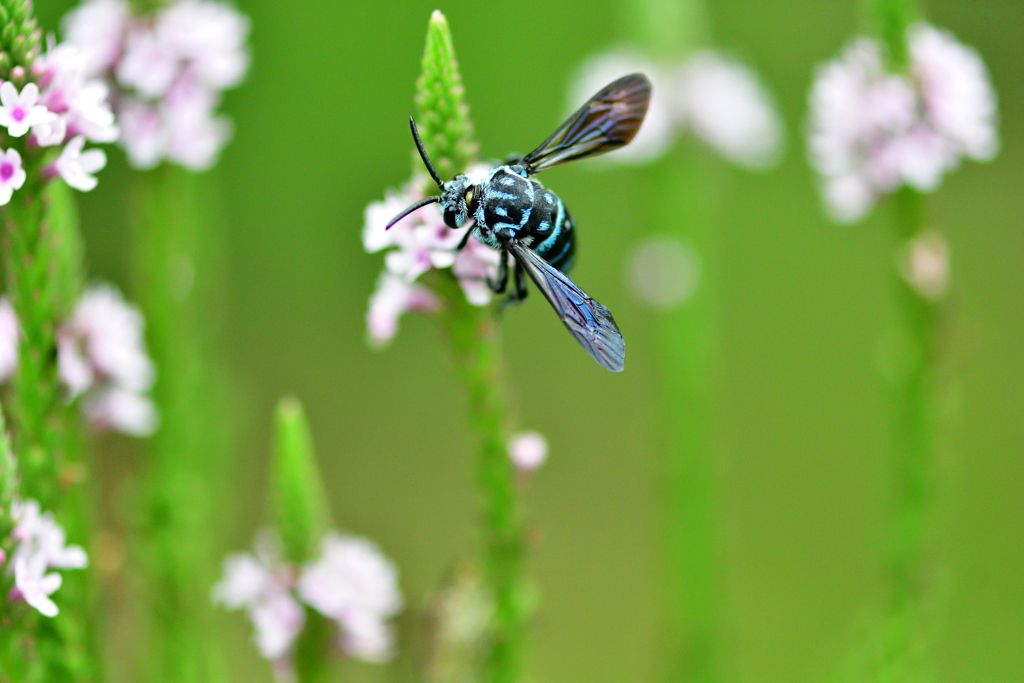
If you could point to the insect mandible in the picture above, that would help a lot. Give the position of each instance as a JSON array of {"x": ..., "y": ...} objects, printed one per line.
[{"x": 516, "y": 215}]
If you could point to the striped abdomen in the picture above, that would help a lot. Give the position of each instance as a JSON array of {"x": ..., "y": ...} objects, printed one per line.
[{"x": 510, "y": 205}]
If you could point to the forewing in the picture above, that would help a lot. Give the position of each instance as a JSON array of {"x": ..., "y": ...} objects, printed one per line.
[
  {"x": 609, "y": 120},
  {"x": 590, "y": 322}
]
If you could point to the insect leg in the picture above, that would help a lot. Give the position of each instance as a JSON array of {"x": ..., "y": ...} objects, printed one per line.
[
  {"x": 518, "y": 294},
  {"x": 464, "y": 241},
  {"x": 501, "y": 285}
]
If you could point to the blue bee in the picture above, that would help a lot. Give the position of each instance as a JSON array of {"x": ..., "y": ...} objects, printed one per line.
[{"x": 515, "y": 214}]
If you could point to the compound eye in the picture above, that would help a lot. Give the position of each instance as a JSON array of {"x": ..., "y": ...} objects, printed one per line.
[{"x": 449, "y": 218}]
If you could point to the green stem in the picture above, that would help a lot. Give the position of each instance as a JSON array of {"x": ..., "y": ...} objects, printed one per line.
[
  {"x": 476, "y": 342},
  {"x": 690, "y": 385},
  {"x": 43, "y": 260},
  {"x": 475, "y": 338},
  {"x": 891, "y": 19},
  {"x": 680, "y": 187},
  {"x": 915, "y": 428},
  {"x": 177, "y": 280}
]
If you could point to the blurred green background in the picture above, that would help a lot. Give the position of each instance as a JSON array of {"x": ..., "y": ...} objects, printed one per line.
[{"x": 320, "y": 131}]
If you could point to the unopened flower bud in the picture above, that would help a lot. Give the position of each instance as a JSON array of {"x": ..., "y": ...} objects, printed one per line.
[
  {"x": 528, "y": 451},
  {"x": 3, "y": 557},
  {"x": 10, "y": 30},
  {"x": 18, "y": 76},
  {"x": 19, "y": 48}
]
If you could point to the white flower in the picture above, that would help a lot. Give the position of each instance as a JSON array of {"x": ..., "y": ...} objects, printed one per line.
[
  {"x": 474, "y": 266},
  {"x": 123, "y": 410},
  {"x": 657, "y": 133},
  {"x": 146, "y": 65},
  {"x": 426, "y": 246},
  {"x": 528, "y": 450},
  {"x": 34, "y": 585},
  {"x": 871, "y": 131},
  {"x": 958, "y": 96},
  {"x": 76, "y": 167},
  {"x": 261, "y": 584},
  {"x": 50, "y": 132},
  {"x": 67, "y": 92},
  {"x": 195, "y": 138},
  {"x": 20, "y": 111},
  {"x": 109, "y": 335},
  {"x": 210, "y": 36},
  {"x": 96, "y": 28},
  {"x": 12, "y": 175},
  {"x": 393, "y": 297},
  {"x": 10, "y": 334},
  {"x": 354, "y": 584},
  {"x": 40, "y": 536},
  {"x": 729, "y": 108},
  {"x": 40, "y": 546},
  {"x": 143, "y": 133},
  {"x": 378, "y": 214},
  {"x": 277, "y": 619}
]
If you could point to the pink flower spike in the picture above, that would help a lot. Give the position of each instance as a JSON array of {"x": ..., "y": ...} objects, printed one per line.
[
  {"x": 12, "y": 175},
  {"x": 528, "y": 451},
  {"x": 20, "y": 111},
  {"x": 76, "y": 167}
]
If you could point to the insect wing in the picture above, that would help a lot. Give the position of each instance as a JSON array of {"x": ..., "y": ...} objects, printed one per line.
[
  {"x": 590, "y": 322},
  {"x": 609, "y": 120}
]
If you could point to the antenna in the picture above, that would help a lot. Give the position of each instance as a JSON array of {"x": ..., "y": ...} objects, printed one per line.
[
  {"x": 418, "y": 205},
  {"x": 423, "y": 153}
]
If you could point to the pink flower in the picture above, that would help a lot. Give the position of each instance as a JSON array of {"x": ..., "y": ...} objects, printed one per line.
[
  {"x": 96, "y": 27},
  {"x": 12, "y": 175},
  {"x": 210, "y": 36},
  {"x": 261, "y": 584},
  {"x": 101, "y": 352},
  {"x": 393, "y": 297},
  {"x": 871, "y": 131},
  {"x": 355, "y": 585},
  {"x": 146, "y": 66},
  {"x": 76, "y": 167},
  {"x": 20, "y": 111},
  {"x": 143, "y": 133},
  {"x": 474, "y": 265},
  {"x": 528, "y": 450},
  {"x": 41, "y": 545},
  {"x": 33, "y": 585}
]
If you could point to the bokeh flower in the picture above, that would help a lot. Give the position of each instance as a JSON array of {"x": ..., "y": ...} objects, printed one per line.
[
  {"x": 528, "y": 450},
  {"x": 392, "y": 298},
  {"x": 356, "y": 586},
  {"x": 101, "y": 352},
  {"x": 101, "y": 357},
  {"x": 351, "y": 583},
  {"x": 168, "y": 70},
  {"x": 41, "y": 545},
  {"x": 872, "y": 131},
  {"x": 261, "y": 583},
  {"x": 715, "y": 96}
]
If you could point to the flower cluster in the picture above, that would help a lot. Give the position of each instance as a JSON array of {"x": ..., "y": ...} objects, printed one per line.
[
  {"x": 718, "y": 98},
  {"x": 351, "y": 583},
  {"x": 872, "y": 131},
  {"x": 101, "y": 356},
  {"x": 40, "y": 547},
  {"x": 61, "y": 105},
  {"x": 169, "y": 70},
  {"x": 416, "y": 244}
]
